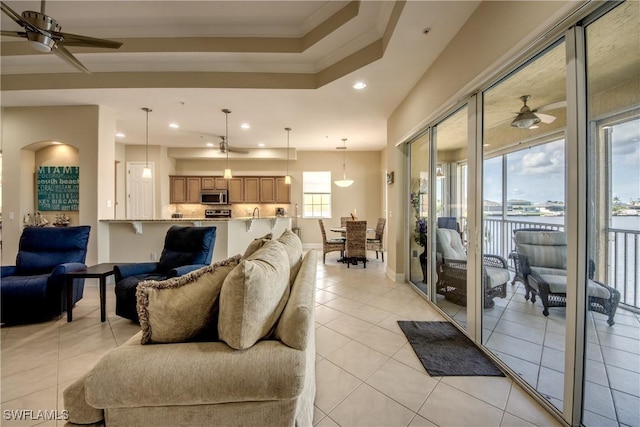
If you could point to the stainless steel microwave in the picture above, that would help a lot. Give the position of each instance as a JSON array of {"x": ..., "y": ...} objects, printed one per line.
[{"x": 214, "y": 197}]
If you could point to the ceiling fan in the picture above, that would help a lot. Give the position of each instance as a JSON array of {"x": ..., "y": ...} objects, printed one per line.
[
  {"x": 43, "y": 34},
  {"x": 224, "y": 147},
  {"x": 527, "y": 118}
]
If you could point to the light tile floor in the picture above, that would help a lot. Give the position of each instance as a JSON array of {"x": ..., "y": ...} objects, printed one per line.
[
  {"x": 367, "y": 373},
  {"x": 533, "y": 346}
]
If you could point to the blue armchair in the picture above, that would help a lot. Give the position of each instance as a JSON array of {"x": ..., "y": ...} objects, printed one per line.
[
  {"x": 34, "y": 288},
  {"x": 185, "y": 249}
]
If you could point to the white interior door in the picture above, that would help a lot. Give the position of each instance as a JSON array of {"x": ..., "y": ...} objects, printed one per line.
[{"x": 140, "y": 200}]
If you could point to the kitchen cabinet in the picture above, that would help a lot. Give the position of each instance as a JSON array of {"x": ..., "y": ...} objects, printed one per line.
[
  {"x": 184, "y": 189},
  {"x": 221, "y": 183},
  {"x": 236, "y": 190},
  {"x": 208, "y": 183},
  {"x": 283, "y": 191},
  {"x": 267, "y": 190},
  {"x": 251, "y": 189},
  {"x": 247, "y": 189}
]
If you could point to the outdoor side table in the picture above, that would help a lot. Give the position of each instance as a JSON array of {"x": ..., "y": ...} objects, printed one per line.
[{"x": 99, "y": 271}]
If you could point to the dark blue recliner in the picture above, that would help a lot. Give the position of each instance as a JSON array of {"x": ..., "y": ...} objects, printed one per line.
[
  {"x": 185, "y": 249},
  {"x": 34, "y": 289}
]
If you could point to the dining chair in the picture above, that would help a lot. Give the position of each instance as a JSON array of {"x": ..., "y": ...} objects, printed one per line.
[
  {"x": 356, "y": 244},
  {"x": 330, "y": 245},
  {"x": 343, "y": 224},
  {"x": 375, "y": 244}
]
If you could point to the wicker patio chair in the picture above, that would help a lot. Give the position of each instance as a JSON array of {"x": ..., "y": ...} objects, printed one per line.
[
  {"x": 375, "y": 244},
  {"x": 330, "y": 245},
  {"x": 356, "y": 244},
  {"x": 451, "y": 263},
  {"x": 541, "y": 258}
]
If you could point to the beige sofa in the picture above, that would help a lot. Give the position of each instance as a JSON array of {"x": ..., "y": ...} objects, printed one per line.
[{"x": 269, "y": 383}]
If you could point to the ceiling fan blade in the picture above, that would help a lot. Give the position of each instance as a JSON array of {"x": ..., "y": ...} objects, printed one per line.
[
  {"x": 13, "y": 33},
  {"x": 13, "y": 15},
  {"x": 64, "y": 54},
  {"x": 238, "y": 150},
  {"x": 69, "y": 39},
  {"x": 552, "y": 106},
  {"x": 545, "y": 118}
]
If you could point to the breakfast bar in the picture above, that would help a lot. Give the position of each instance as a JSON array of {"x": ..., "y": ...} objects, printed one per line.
[{"x": 132, "y": 240}]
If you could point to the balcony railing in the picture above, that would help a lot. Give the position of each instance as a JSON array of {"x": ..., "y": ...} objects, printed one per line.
[{"x": 623, "y": 254}]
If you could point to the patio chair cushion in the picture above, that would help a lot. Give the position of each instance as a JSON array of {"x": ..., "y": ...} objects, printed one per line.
[
  {"x": 544, "y": 249},
  {"x": 547, "y": 270},
  {"x": 558, "y": 285},
  {"x": 496, "y": 276}
]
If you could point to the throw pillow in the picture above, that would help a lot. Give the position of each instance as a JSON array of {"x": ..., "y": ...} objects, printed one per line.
[
  {"x": 293, "y": 245},
  {"x": 253, "y": 296},
  {"x": 182, "y": 308},
  {"x": 256, "y": 244}
]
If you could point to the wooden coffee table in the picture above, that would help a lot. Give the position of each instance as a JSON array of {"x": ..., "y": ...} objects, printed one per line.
[{"x": 99, "y": 271}]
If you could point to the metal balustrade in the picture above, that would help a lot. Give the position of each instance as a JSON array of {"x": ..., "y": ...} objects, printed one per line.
[{"x": 622, "y": 262}]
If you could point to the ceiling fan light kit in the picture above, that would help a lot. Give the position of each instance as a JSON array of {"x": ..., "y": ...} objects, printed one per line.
[
  {"x": 344, "y": 182},
  {"x": 527, "y": 118}
]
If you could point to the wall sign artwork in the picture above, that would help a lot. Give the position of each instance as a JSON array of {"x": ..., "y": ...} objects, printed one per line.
[{"x": 58, "y": 188}]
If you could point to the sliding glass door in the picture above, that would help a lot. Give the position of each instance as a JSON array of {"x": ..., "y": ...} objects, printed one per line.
[
  {"x": 450, "y": 137},
  {"x": 612, "y": 344}
]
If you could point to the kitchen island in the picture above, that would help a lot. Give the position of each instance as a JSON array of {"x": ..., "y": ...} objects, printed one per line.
[{"x": 142, "y": 240}]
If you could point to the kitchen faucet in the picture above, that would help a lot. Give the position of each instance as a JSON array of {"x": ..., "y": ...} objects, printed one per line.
[{"x": 253, "y": 215}]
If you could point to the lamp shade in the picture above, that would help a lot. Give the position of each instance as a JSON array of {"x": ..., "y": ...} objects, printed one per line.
[
  {"x": 344, "y": 182},
  {"x": 287, "y": 179},
  {"x": 227, "y": 174},
  {"x": 146, "y": 172}
]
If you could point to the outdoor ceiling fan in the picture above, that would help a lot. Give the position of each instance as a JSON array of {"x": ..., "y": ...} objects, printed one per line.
[
  {"x": 527, "y": 118},
  {"x": 43, "y": 34}
]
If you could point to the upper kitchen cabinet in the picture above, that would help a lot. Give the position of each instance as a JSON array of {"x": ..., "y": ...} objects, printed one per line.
[
  {"x": 251, "y": 189},
  {"x": 214, "y": 183},
  {"x": 267, "y": 190},
  {"x": 283, "y": 191},
  {"x": 185, "y": 189},
  {"x": 236, "y": 190}
]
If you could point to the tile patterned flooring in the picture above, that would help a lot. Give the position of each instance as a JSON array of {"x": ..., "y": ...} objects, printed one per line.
[
  {"x": 367, "y": 373},
  {"x": 533, "y": 346}
]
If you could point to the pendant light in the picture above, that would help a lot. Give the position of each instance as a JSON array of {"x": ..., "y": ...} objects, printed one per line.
[
  {"x": 287, "y": 177},
  {"x": 146, "y": 172},
  {"x": 227, "y": 171},
  {"x": 344, "y": 182}
]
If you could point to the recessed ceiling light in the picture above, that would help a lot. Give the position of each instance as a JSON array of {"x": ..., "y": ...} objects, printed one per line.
[
  {"x": 57, "y": 143},
  {"x": 486, "y": 145},
  {"x": 261, "y": 144},
  {"x": 174, "y": 125},
  {"x": 209, "y": 144},
  {"x": 245, "y": 126},
  {"x": 359, "y": 85},
  {"x": 120, "y": 135}
]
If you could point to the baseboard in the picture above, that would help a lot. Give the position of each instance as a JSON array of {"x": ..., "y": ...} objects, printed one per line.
[{"x": 396, "y": 277}]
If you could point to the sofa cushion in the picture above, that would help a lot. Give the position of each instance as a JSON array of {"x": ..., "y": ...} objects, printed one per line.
[
  {"x": 182, "y": 308},
  {"x": 543, "y": 248},
  {"x": 298, "y": 316},
  {"x": 41, "y": 249},
  {"x": 293, "y": 245},
  {"x": 253, "y": 296},
  {"x": 256, "y": 244}
]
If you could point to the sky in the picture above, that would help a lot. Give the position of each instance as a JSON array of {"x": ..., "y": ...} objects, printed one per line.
[{"x": 536, "y": 174}]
